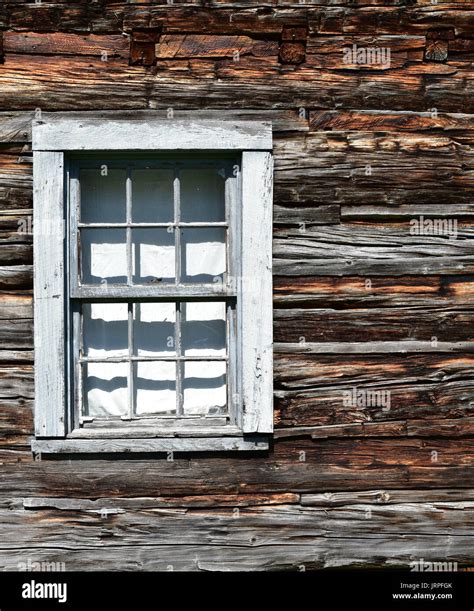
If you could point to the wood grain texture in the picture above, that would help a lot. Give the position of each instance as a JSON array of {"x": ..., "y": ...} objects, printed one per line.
[
  {"x": 67, "y": 135},
  {"x": 164, "y": 445},
  {"x": 50, "y": 384},
  {"x": 255, "y": 304}
]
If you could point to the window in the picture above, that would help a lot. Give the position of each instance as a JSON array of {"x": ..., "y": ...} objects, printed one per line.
[{"x": 153, "y": 301}]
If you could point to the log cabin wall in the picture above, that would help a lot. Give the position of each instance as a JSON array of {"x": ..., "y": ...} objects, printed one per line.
[{"x": 361, "y": 301}]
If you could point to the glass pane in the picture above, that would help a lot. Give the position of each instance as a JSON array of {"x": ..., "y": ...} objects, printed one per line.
[
  {"x": 152, "y": 196},
  {"x": 202, "y": 195},
  {"x": 203, "y": 254},
  {"x": 105, "y": 329},
  {"x": 154, "y": 329},
  {"x": 153, "y": 256},
  {"x": 104, "y": 256},
  {"x": 105, "y": 389},
  {"x": 103, "y": 195},
  {"x": 155, "y": 387},
  {"x": 203, "y": 328},
  {"x": 204, "y": 388}
]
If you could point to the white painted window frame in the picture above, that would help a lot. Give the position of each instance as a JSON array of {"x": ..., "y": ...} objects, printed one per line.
[{"x": 52, "y": 141}]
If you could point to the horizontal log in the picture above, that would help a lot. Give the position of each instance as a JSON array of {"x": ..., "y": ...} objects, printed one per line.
[
  {"x": 15, "y": 254},
  {"x": 424, "y": 401},
  {"x": 16, "y": 356},
  {"x": 206, "y": 20},
  {"x": 388, "y": 20},
  {"x": 16, "y": 305},
  {"x": 362, "y": 249},
  {"x": 391, "y": 552},
  {"x": 383, "y": 16},
  {"x": 16, "y": 417},
  {"x": 311, "y": 215},
  {"x": 438, "y": 498},
  {"x": 353, "y": 292},
  {"x": 16, "y": 334},
  {"x": 16, "y": 277},
  {"x": 404, "y": 212},
  {"x": 298, "y": 371},
  {"x": 388, "y": 121},
  {"x": 51, "y": 83},
  {"x": 365, "y": 161},
  {"x": 260, "y": 526},
  {"x": 395, "y": 428},
  {"x": 59, "y": 43},
  {"x": 372, "y": 324},
  {"x": 98, "y": 506},
  {"x": 373, "y": 347},
  {"x": 16, "y": 382},
  {"x": 293, "y": 466}
]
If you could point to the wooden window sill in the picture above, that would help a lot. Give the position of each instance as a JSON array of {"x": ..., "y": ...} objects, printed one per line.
[{"x": 164, "y": 444}]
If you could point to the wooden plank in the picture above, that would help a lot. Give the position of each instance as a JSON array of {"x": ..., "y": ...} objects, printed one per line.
[
  {"x": 255, "y": 303},
  {"x": 50, "y": 393},
  {"x": 106, "y": 446},
  {"x": 67, "y": 135},
  {"x": 135, "y": 430}
]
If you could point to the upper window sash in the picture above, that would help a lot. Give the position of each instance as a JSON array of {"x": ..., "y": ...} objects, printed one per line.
[{"x": 230, "y": 228}]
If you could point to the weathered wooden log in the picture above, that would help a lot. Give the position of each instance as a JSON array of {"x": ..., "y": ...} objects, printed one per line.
[
  {"x": 51, "y": 83},
  {"x": 374, "y": 324},
  {"x": 365, "y": 250},
  {"x": 59, "y": 43},
  {"x": 392, "y": 428},
  {"x": 347, "y": 292},
  {"x": 293, "y": 466},
  {"x": 425, "y": 402},
  {"x": 16, "y": 277},
  {"x": 297, "y": 371}
]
